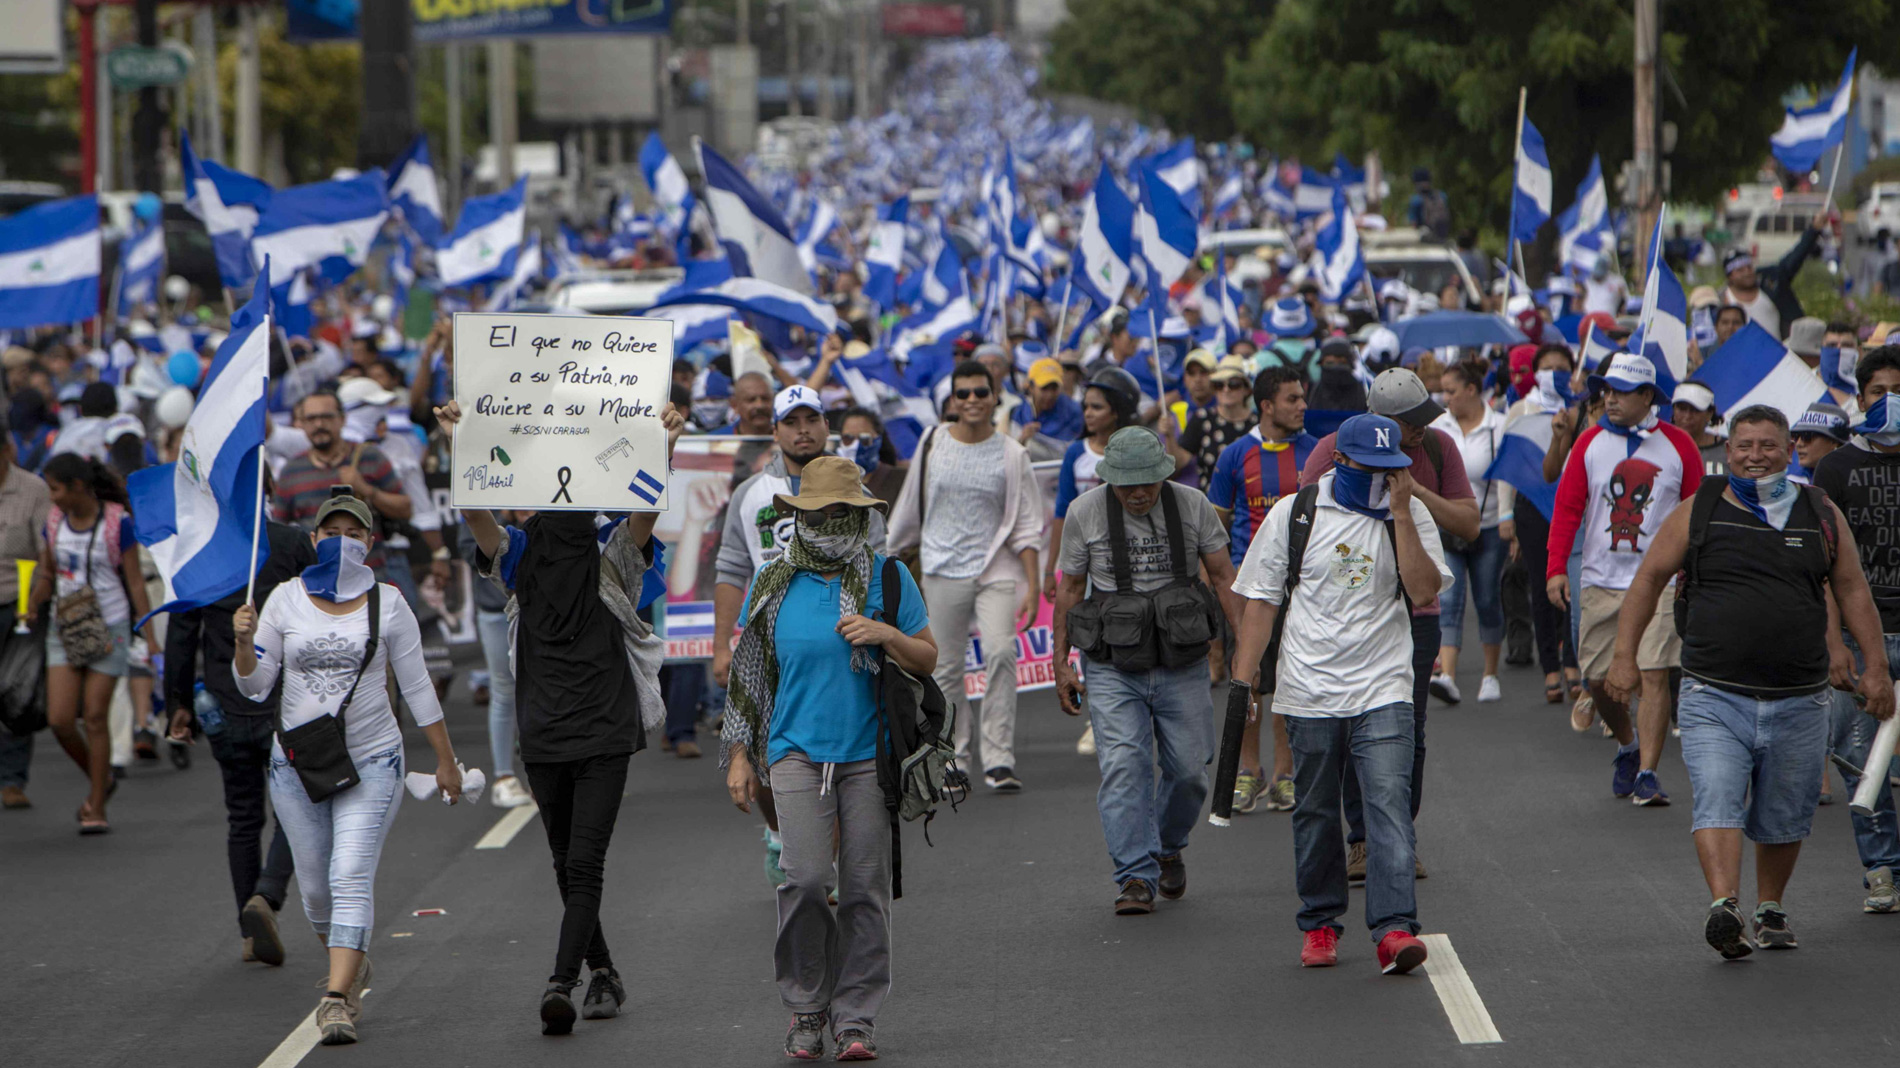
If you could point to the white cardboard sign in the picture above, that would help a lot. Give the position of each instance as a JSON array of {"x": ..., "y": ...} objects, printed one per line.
[{"x": 561, "y": 412}]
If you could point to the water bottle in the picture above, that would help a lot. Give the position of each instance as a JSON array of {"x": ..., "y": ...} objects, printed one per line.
[{"x": 210, "y": 712}]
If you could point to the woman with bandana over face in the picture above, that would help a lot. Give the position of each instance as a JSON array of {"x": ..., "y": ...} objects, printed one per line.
[
  {"x": 315, "y": 637},
  {"x": 587, "y": 691}
]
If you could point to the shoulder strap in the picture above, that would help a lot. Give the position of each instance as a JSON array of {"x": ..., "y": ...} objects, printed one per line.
[
  {"x": 1177, "y": 543},
  {"x": 1118, "y": 543},
  {"x": 1434, "y": 453},
  {"x": 369, "y": 647},
  {"x": 1700, "y": 511},
  {"x": 1299, "y": 532},
  {"x": 91, "y": 540},
  {"x": 893, "y": 592},
  {"x": 923, "y": 471},
  {"x": 1392, "y": 542},
  {"x": 1830, "y": 538}
]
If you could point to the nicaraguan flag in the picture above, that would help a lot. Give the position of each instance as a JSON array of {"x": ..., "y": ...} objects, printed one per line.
[
  {"x": 1165, "y": 234},
  {"x": 1755, "y": 368},
  {"x": 665, "y": 178},
  {"x": 1666, "y": 323},
  {"x": 1180, "y": 168},
  {"x": 527, "y": 269},
  {"x": 566, "y": 253},
  {"x": 1220, "y": 309},
  {"x": 230, "y": 224},
  {"x": 1352, "y": 179},
  {"x": 948, "y": 323},
  {"x": 751, "y": 228},
  {"x": 1310, "y": 191},
  {"x": 412, "y": 189},
  {"x": 1520, "y": 460},
  {"x": 1342, "y": 263},
  {"x": 884, "y": 254},
  {"x": 756, "y": 296},
  {"x": 49, "y": 264},
  {"x": 1596, "y": 349},
  {"x": 944, "y": 282},
  {"x": 1227, "y": 197},
  {"x": 487, "y": 238},
  {"x": 141, "y": 264},
  {"x": 695, "y": 323},
  {"x": 197, "y": 515},
  {"x": 402, "y": 267},
  {"x": 326, "y": 225},
  {"x": 818, "y": 224},
  {"x": 1579, "y": 227},
  {"x": 1808, "y": 132},
  {"x": 1531, "y": 194},
  {"x": 290, "y": 305}
]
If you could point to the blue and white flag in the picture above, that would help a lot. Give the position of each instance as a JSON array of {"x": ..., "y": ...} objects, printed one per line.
[
  {"x": 197, "y": 516},
  {"x": 1227, "y": 197},
  {"x": 527, "y": 268},
  {"x": 1808, "y": 132},
  {"x": 141, "y": 264},
  {"x": 1308, "y": 196},
  {"x": 566, "y": 253},
  {"x": 666, "y": 178},
  {"x": 1520, "y": 460},
  {"x": 884, "y": 253},
  {"x": 487, "y": 238},
  {"x": 818, "y": 224},
  {"x": 756, "y": 296},
  {"x": 402, "y": 268},
  {"x": 326, "y": 225},
  {"x": 1341, "y": 262},
  {"x": 1165, "y": 236},
  {"x": 49, "y": 264},
  {"x": 1531, "y": 186},
  {"x": 413, "y": 191},
  {"x": 944, "y": 282},
  {"x": 1754, "y": 368},
  {"x": 1180, "y": 168},
  {"x": 290, "y": 305},
  {"x": 1353, "y": 180},
  {"x": 229, "y": 224},
  {"x": 1666, "y": 322},
  {"x": 1596, "y": 349},
  {"x": 1582, "y": 224},
  {"x": 1220, "y": 309},
  {"x": 753, "y": 231},
  {"x": 695, "y": 323},
  {"x": 920, "y": 340}
]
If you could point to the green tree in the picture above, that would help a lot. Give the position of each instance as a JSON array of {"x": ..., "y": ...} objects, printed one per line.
[
  {"x": 1168, "y": 58},
  {"x": 312, "y": 94}
]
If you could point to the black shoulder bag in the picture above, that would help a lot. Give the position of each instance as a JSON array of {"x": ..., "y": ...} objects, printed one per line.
[
  {"x": 914, "y": 748},
  {"x": 318, "y": 749}
]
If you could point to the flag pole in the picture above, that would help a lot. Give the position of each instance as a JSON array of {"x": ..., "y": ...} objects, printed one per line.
[
  {"x": 1828, "y": 204},
  {"x": 1154, "y": 355},
  {"x": 1655, "y": 257},
  {"x": 257, "y": 525},
  {"x": 1062, "y": 318},
  {"x": 1517, "y": 149}
]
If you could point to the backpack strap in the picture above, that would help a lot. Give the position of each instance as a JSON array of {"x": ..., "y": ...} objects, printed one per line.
[
  {"x": 1830, "y": 538},
  {"x": 887, "y": 758},
  {"x": 1700, "y": 512},
  {"x": 1118, "y": 543},
  {"x": 1177, "y": 542},
  {"x": 1392, "y": 542},
  {"x": 1299, "y": 532},
  {"x": 1435, "y": 454}
]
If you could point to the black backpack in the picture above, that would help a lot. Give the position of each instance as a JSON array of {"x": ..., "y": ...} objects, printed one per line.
[
  {"x": 1299, "y": 532},
  {"x": 914, "y": 749},
  {"x": 1703, "y": 509}
]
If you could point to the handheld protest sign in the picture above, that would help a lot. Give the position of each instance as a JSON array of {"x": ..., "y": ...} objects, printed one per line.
[{"x": 561, "y": 412}]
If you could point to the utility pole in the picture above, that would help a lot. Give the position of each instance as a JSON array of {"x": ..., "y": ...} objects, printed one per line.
[
  {"x": 501, "y": 109},
  {"x": 249, "y": 148},
  {"x": 389, "y": 85},
  {"x": 452, "y": 62},
  {"x": 204, "y": 42},
  {"x": 150, "y": 120},
  {"x": 792, "y": 106},
  {"x": 1643, "y": 156}
]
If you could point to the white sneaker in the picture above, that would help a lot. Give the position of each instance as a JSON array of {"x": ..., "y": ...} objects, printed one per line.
[
  {"x": 509, "y": 793},
  {"x": 1085, "y": 745},
  {"x": 1445, "y": 688},
  {"x": 1489, "y": 690}
]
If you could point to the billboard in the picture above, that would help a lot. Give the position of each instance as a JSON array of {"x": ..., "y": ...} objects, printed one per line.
[
  {"x": 35, "y": 37},
  {"x": 438, "y": 21},
  {"x": 924, "y": 20}
]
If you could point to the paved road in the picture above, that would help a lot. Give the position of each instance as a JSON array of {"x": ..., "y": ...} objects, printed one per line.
[{"x": 1578, "y": 919}]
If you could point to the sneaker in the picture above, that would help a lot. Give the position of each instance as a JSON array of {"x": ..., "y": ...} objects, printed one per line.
[
  {"x": 605, "y": 994},
  {"x": 1623, "y": 775},
  {"x": 1002, "y": 780},
  {"x": 1247, "y": 791},
  {"x": 855, "y": 1045},
  {"x": 1649, "y": 791},
  {"x": 1418, "y": 869},
  {"x": 335, "y": 1023},
  {"x": 1355, "y": 864},
  {"x": 1881, "y": 896},
  {"x": 1280, "y": 795},
  {"x": 1085, "y": 745},
  {"x": 1321, "y": 949},
  {"x": 1137, "y": 898},
  {"x": 1445, "y": 688},
  {"x": 258, "y": 921},
  {"x": 805, "y": 1041},
  {"x": 145, "y": 744},
  {"x": 1400, "y": 953},
  {"x": 773, "y": 873},
  {"x": 1489, "y": 689},
  {"x": 1724, "y": 930},
  {"x": 1173, "y": 877},
  {"x": 1583, "y": 712},
  {"x": 353, "y": 997},
  {"x": 509, "y": 793},
  {"x": 687, "y": 749},
  {"x": 1771, "y": 927},
  {"x": 557, "y": 1009}
]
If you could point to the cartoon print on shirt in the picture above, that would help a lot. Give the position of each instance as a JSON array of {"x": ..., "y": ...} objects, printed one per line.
[
  {"x": 1632, "y": 488},
  {"x": 1351, "y": 567}
]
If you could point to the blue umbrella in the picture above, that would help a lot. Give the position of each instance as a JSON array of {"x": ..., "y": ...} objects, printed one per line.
[{"x": 1440, "y": 328}]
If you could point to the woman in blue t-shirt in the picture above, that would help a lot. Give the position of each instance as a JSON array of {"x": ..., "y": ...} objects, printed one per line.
[{"x": 802, "y": 715}]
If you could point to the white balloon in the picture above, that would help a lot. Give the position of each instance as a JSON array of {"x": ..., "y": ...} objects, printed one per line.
[
  {"x": 176, "y": 288},
  {"x": 382, "y": 307},
  {"x": 174, "y": 406}
]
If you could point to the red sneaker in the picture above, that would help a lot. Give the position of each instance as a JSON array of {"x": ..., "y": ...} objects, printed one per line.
[
  {"x": 1321, "y": 949},
  {"x": 1400, "y": 953}
]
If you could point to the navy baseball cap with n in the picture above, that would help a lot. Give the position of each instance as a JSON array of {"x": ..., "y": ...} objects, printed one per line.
[
  {"x": 1372, "y": 440},
  {"x": 792, "y": 398}
]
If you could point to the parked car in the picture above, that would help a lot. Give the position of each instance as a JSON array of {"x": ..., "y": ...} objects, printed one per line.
[
  {"x": 624, "y": 292},
  {"x": 1427, "y": 266},
  {"x": 1880, "y": 211}
]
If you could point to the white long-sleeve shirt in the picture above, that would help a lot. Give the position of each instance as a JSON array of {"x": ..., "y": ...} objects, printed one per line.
[{"x": 323, "y": 652}]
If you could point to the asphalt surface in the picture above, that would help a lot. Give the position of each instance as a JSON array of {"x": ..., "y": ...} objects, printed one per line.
[{"x": 1577, "y": 917}]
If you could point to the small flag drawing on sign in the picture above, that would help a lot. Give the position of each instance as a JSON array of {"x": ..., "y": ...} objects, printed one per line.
[{"x": 647, "y": 488}]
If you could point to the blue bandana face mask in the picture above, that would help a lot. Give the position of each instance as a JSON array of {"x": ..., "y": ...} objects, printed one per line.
[
  {"x": 1362, "y": 491},
  {"x": 866, "y": 455},
  {"x": 1554, "y": 389},
  {"x": 1882, "y": 425},
  {"x": 339, "y": 574},
  {"x": 1770, "y": 497}
]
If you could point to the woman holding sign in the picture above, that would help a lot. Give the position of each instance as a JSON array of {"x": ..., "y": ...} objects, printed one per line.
[{"x": 587, "y": 691}]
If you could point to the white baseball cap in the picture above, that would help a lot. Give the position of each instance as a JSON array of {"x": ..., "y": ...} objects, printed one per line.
[
  {"x": 1627, "y": 372},
  {"x": 794, "y": 397},
  {"x": 361, "y": 390}
]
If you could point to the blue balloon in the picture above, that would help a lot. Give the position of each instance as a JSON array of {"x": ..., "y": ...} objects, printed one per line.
[
  {"x": 147, "y": 207},
  {"x": 184, "y": 369}
]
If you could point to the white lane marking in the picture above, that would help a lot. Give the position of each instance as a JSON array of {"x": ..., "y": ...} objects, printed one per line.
[
  {"x": 507, "y": 827},
  {"x": 301, "y": 1040},
  {"x": 1469, "y": 1018}
]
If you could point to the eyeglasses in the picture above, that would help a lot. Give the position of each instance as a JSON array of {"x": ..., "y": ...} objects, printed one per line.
[
  {"x": 322, "y": 417},
  {"x": 979, "y": 393},
  {"x": 860, "y": 439},
  {"x": 1235, "y": 384}
]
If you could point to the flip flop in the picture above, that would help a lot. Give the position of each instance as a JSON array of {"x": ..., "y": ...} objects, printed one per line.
[
  {"x": 1554, "y": 692},
  {"x": 88, "y": 827}
]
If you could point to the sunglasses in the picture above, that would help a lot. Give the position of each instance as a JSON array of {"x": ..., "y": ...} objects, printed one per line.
[
  {"x": 979, "y": 393},
  {"x": 1234, "y": 384},
  {"x": 1803, "y": 437}
]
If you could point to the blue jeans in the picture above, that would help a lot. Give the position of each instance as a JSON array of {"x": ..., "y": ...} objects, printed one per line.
[
  {"x": 1378, "y": 746},
  {"x": 683, "y": 685},
  {"x": 1876, "y": 837},
  {"x": 16, "y": 754},
  {"x": 1425, "y": 631},
  {"x": 1165, "y": 715},
  {"x": 338, "y": 842},
  {"x": 1753, "y": 764},
  {"x": 1475, "y": 571},
  {"x": 493, "y": 628}
]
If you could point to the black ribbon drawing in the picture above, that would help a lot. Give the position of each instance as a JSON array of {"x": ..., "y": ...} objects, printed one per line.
[{"x": 560, "y": 494}]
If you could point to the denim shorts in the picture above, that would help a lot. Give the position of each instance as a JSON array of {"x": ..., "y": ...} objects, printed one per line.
[
  {"x": 1754, "y": 764},
  {"x": 115, "y": 663}
]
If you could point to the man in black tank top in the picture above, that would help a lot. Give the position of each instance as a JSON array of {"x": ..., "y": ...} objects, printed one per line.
[{"x": 1758, "y": 555}]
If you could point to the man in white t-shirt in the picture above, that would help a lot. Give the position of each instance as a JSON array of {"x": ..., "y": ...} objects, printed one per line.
[
  {"x": 1345, "y": 675},
  {"x": 1604, "y": 291}
]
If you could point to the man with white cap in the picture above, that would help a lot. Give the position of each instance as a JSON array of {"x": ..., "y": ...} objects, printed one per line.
[
  {"x": 1622, "y": 479},
  {"x": 1692, "y": 410}
]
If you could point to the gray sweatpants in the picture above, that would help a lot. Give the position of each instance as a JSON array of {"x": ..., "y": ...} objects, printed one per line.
[{"x": 840, "y": 962}]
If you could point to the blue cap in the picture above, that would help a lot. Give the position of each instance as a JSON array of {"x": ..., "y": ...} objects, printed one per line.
[{"x": 1372, "y": 440}]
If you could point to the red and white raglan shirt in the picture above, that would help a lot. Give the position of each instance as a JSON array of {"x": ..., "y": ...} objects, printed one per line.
[{"x": 1617, "y": 488}]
